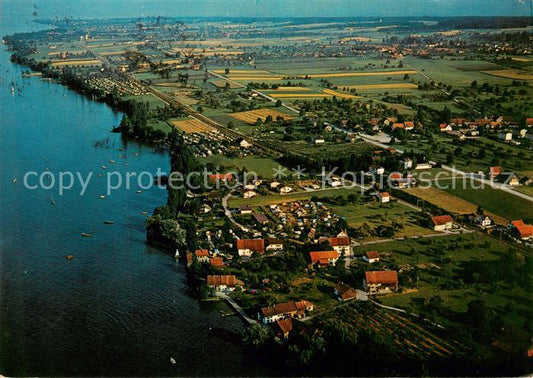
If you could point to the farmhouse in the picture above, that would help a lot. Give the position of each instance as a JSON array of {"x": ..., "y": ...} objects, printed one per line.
[
  {"x": 344, "y": 292},
  {"x": 285, "y": 190},
  {"x": 506, "y": 137},
  {"x": 324, "y": 258},
  {"x": 407, "y": 163},
  {"x": 522, "y": 230},
  {"x": 441, "y": 223},
  {"x": 284, "y": 310},
  {"x": 202, "y": 255},
  {"x": 383, "y": 197},
  {"x": 249, "y": 194},
  {"x": 371, "y": 257},
  {"x": 246, "y": 247},
  {"x": 495, "y": 171},
  {"x": 220, "y": 177},
  {"x": 339, "y": 244},
  {"x": 483, "y": 221},
  {"x": 380, "y": 282},
  {"x": 509, "y": 178},
  {"x": 227, "y": 283}
]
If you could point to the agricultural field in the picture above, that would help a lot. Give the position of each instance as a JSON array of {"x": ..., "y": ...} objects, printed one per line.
[
  {"x": 192, "y": 125},
  {"x": 76, "y": 62},
  {"x": 451, "y": 203},
  {"x": 409, "y": 338},
  {"x": 511, "y": 74},
  {"x": 496, "y": 201},
  {"x": 263, "y": 166},
  {"x": 370, "y": 87},
  {"x": 250, "y": 117},
  {"x": 224, "y": 84},
  {"x": 153, "y": 101}
]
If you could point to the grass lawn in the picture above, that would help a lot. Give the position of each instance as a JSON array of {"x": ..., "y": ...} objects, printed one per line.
[
  {"x": 262, "y": 166},
  {"x": 494, "y": 200},
  {"x": 383, "y": 214},
  {"x": 160, "y": 125},
  {"x": 152, "y": 100}
]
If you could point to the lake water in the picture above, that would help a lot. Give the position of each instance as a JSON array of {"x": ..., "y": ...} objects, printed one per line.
[{"x": 119, "y": 307}]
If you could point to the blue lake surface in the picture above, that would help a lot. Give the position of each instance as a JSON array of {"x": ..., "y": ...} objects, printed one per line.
[{"x": 119, "y": 307}]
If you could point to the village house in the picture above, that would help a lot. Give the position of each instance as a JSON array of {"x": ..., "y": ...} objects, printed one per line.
[
  {"x": 249, "y": 194},
  {"x": 342, "y": 245},
  {"x": 409, "y": 125},
  {"x": 483, "y": 221},
  {"x": 421, "y": 166},
  {"x": 202, "y": 255},
  {"x": 285, "y": 310},
  {"x": 383, "y": 197},
  {"x": 274, "y": 245},
  {"x": 444, "y": 128},
  {"x": 319, "y": 141},
  {"x": 190, "y": 258},
  {"x": 495, "y": 171},
  {"x": 506, "y": 137},
  {"x": 509, "y": 178},
  {"x": 407, "y": 163},
  {"x": 324, "y": 258},
  {"x": 220, "y": 177},
  {"x": 245, "y": 209},
  {"x": 380, "y": 282},
  {"x": 223, "y": 283},
  {"x": 274, "y": 185},
  {"x": 260, "y": 218},
  {"x": 344, "y": 292},
  {"x": 245, "y": 144},
  {"x": 246, "y": 247},
  {"x": 441, "y": 223},
  {"x": 217, "y": 262},
  {"x": 522, "y": 230},
  {"x": 283, "y": 328},
  {"x": 371, "y": 257}
]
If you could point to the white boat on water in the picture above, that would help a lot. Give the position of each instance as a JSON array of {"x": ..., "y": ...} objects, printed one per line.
[{"x": 172, "y": 361}]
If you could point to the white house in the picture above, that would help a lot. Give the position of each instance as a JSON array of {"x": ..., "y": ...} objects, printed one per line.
[
  {"x": 371, "y": 257},
  {"x": 227, "y": 283},
  {"x": 202, "y": 255},
  {"x": 507, "y": 137},
  {"x": 249, "y": 194},
  {"x": 384, "y": 197},
  {"x": 423, "y": 166},
  {"x": 339, "y": 244},
  {"x": 441, "y": 223},
  {"x": 407, "y": 163},
  {"x": 245, "y": 209},
  {"x": 319, "y": 141},
  {"x": 274, "y": 245},
  {"x": 245, "y": 144},
  {"x": 483, "y": 221},
  {"x": 275, "y": 184},
  {"x": 285, "y": 190}
]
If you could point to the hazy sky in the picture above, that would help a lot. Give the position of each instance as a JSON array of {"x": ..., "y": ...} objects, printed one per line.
[{"x": 269, "y": 8}]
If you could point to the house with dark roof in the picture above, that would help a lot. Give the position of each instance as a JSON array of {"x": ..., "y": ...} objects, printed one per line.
[
  {"x": 380, "y": 282},
  {"x": 245, "y": 209},
  {"x": 371, "y": 257},
  {"x": 274, "y": 245},
  {"x": 344, "y": 292},
  {"x": 260, "y": 218}
]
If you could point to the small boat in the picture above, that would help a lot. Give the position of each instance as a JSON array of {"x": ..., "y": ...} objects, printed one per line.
[
  {"x": 112, "y": 161},
  {"x": 103, "y": 167},
  {"x": 136, "y": 154},
  {"x": 102, "y": 196},
  {"x": 144, "y": 212},
  {"x": 109, "y": 222},
  {"x": 14, "y": 180},
  {"x": 126, "y": 164},
  {"x": 70, "y": 257},
  {"x": 86, "y": 235},
  {"x": 52, "y": 200},
  {"x": 172, "y": 361},
  {"x": 139, "y": 191}
]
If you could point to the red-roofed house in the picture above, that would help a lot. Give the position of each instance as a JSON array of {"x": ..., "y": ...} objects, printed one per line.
[
  {"x": 246, "y": 247},
  {"x": 409, "y": 125},
  {"x": 217, "y": 262},
  {"x": 223, "y": 283},
  {"x": 397, "y": 125},
  {"x": 344, "y": 292},
  {"x": 324, "y": 258},
  {"x": 371, "y": 257},
  {"x": 495, "y": 171},
  {"x": 529, "y": 121},
  {"x": 339, "y": 244},
  {"x": 522, "y": 230},
  {"x": 224, "y": 177},
  {"x": 277, "y": 312},
  {"x": 202, "y": 255},
  {"x": 381, "y": 281},
  {"x": 283, "y": 328},
  {"x": 383, "y": 197},
  {"x": 441, "y": 223}
]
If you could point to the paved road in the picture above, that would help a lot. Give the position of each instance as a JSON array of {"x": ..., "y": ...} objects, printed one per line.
[{"x": 229, "y": 214}]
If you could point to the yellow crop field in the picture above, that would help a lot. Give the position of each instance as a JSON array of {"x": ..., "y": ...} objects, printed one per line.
[
  {"x": 451, "y": 203},
  {"x": 376, "y": 73},
  {"x": 383, "y": 86},
  {"x": 251, "y": 116},
  {"x": 76, "y": 62},
  {"x": 338, "y": 94},
  {"x": 222, "y": 84},
  {"x": 192, "y": 126},
  {"x": 292, "y": 89},
  {"x": 521, "y": 59},
  {"x": 255, "y": 78},
  {"x": 511, "y": 74}
]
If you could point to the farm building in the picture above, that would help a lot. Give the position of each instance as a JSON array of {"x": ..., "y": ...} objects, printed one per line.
[
  {"x": 245, "y": 209},
  {"x": 227, "y": 283},
  {"x": 274, "y": 245},
  {"x": 285, "y": 190},
  {"x": 344, "y": 292},
  {"x": 324, "y": 258},
  {"x": 249, "y": 194},
  {"x": 260, "y": 218},
  {"x": 522, "y": 230},
  {"x": 284, "y": 310},
  {"x": 283, "y": 328},
  {"x": 246, "y": 247},
  {"x": 380, "y": 282},
  {"x": 220, "y": 177},
  {"x": 339, "y": 244},
  {"x": 371, "y": 257},
  {"x": 495, "y": 171},
  {"x": 441, "y": 223}
]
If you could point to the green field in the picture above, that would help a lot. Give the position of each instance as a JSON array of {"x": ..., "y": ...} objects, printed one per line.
[
  {"x": 263, "y": 166},
  {"x": 277, "y": 198},
  {"x": 493, "y": 200}
]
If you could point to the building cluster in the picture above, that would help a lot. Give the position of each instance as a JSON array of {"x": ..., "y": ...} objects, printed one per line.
[{"x": 110, "y": 82}]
